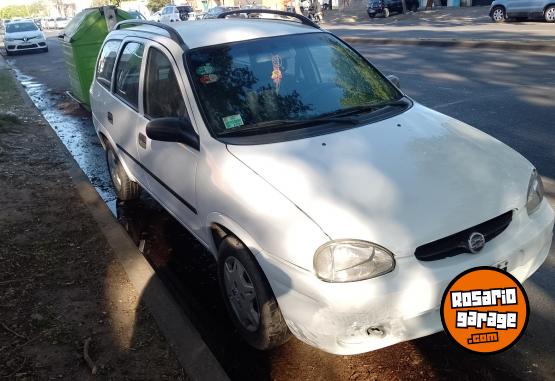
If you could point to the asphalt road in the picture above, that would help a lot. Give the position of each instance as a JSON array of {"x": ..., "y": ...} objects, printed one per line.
[{"x": 506, "y": 94}]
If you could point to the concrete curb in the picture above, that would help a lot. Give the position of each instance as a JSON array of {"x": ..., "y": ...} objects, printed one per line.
[
  {"x": 547, "y": 46},
  {"x": 192, "y": 352}
]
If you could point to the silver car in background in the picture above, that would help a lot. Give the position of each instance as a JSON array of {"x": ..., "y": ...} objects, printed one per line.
[{"x": 502, "y": 10}]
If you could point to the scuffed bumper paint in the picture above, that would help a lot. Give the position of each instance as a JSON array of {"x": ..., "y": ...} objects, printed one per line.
[{"x": 404, "y": 304}]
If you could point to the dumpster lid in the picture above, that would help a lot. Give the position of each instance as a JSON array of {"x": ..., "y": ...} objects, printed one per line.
[{"x": 84, "y": 19}]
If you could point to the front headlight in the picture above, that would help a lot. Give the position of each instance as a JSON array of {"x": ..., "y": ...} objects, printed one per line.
[
  {"x": 9, "y": 39},
  {"x": 349, "y": 260},
  {"x": 535, "y": 193}
]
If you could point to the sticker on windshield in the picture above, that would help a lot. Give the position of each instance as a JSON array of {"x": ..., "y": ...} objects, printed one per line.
[
  {"x": 205, "y": 69},
  {"x": 209, "y": 78},
  {"x": 233, "y": 121},
  {"x": 276, "y": 72}
]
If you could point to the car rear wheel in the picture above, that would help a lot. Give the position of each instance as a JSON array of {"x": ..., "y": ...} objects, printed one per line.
[
  {"x": 248, "y": 297},
  {"x": 498, "y": 14},
  {"x": 371, "y": 15},
  {"x": 549, "y": 14},
  {"x": 125, "y": 188},
  {"x": 386, "y": 12}
]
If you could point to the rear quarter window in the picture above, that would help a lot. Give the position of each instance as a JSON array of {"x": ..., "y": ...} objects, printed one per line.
[{"x": 106, "y": 62}]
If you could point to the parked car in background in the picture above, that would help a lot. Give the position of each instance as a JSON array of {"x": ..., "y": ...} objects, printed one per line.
[
  {"x": 136, "y": 15},
  {"x": 61, "y": 22},
  {"x": 502, "y": 10},
  {"x": 386, "y": 7},
  {"x": 216, "y": 11},
  {"x": 155, "y": 16},
  {"x": 336, "y": 207},
  {"x": 23, "y": 35},
  {"x": 51, "y": 23},
  {"x": 172, "y": 13},
  {"x": 38, "y": 23}
]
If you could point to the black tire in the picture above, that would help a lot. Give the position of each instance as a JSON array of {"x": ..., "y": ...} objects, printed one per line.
[
  {"x": 386, "y": 12},
  {"x": 371, "y": 15},
  {"x": 125, "y": 188},
  {"x": 45, "y": 50},
  {"x": 8, "y": 53},
  {"x": 549, "y": 14},
  {"x": 271, "y": 330},
  {"x": 498, "y": 14},
  {"x": 414, "y": 7}
]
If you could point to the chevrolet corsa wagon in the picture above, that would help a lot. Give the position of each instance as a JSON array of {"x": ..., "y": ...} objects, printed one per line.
[{"x": 338, "y": 209}]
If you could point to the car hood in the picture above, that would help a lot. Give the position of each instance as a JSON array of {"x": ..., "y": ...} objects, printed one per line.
[
  {"x": 21, "y": 35},
  {"x": 400, "y": 183}
]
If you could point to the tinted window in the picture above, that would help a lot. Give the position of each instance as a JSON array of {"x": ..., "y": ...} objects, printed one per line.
[
  {"x": 128, "y": 73},
  {"x": 106, "y": 62},
  {"x": 265, "y": 81},
  {"x": 21, "y": 27},
  {"x": 162, "y": 95}
]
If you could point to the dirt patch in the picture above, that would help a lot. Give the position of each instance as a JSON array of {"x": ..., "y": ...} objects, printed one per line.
[{"x": 59, "y": 282}]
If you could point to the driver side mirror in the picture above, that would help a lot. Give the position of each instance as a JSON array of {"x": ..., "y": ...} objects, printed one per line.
[
  {"x": 176, "y": 130},
  {"x": 395, "y": 80}
]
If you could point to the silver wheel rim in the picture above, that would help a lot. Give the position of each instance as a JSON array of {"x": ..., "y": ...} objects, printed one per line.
[
  {"x": 498, "y": 15},
  {"x": 241, "y": 294},
  {"x": 113, "y": 168},
  {"x": 550, "y": 14}
]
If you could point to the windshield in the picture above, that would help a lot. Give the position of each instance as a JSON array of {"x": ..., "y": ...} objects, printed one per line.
[
  {"x": 294, "y": 78},
  {"x": 21, "y": 27}
]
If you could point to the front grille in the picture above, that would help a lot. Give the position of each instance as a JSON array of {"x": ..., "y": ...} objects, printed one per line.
[
  {"x": 457, "y": 243},
  {"x": 22, "y": 47}
]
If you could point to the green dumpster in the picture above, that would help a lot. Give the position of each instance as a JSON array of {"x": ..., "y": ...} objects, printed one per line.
[{"x": 81, "y": 41}]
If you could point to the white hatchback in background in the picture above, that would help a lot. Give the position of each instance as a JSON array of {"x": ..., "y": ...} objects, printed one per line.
[
  {"x": 23, "y": 35},
  {"x": 175, "y": 13},
  {"x": 337, "y": 208},
  {"x": 61, "y": 22}
]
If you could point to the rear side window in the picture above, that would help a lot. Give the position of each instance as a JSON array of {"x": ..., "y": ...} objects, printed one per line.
[
  {"x": 128, "y": 73},
  {"x": 106, "y": 63},
  {"x": 162, "y": 95}
]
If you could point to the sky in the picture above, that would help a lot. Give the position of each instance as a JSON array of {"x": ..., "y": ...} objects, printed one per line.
[{"x": 4, "y": 3}]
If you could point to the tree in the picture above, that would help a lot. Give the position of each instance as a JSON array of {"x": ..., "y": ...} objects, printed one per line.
[{"x": 156, "y": 5}]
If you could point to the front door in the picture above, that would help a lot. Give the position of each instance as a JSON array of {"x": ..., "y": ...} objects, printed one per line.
[{"x": 171, "y": 167}]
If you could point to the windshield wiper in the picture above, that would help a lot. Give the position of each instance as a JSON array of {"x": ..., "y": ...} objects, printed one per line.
[
  {"x": 286, "y": 124},
  {"x": 402, "y": 102}
]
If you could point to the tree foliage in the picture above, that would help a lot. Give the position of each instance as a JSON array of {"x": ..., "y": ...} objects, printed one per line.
[
  {"x": 156, "y": 5},
  {"x": 32, "y": 10}
]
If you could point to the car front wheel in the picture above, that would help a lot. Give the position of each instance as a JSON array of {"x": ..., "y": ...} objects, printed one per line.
[
  {"x": 550, "y": 14},
  {"x": 386, "y": 12},
  {"x": 498, "y": 14},
  {"x": 125, "y": 188},
  {"x": 248, "y": 297}
]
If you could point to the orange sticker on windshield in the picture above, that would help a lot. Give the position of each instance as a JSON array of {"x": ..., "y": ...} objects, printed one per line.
[
  {"x": 485, "y": 310},
  {"x": 276, "y": 72}
]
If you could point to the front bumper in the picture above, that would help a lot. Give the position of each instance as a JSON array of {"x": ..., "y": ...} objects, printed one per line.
[
  {"x": 20, "y": 45},
  {"x": 357, "y": 317}
]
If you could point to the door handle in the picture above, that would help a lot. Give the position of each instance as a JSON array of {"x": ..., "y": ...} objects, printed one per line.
[
  {"x": 142, "y": 140},
  {"x": 110, "y": 117}
]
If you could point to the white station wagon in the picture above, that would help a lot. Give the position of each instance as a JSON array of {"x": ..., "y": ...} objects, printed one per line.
[{"x": 338, "y": 208}]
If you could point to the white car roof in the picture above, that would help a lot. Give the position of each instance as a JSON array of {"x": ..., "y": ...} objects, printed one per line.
[{"x": 201, "y": 33}]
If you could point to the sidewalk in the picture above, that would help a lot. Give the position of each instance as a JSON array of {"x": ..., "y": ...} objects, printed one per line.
[
  {"x": 66, "y": 304},
  {"x": 450, "y": 25}
]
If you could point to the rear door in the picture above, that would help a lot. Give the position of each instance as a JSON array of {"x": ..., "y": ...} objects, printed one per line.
[{"x": 171, "y": 167}]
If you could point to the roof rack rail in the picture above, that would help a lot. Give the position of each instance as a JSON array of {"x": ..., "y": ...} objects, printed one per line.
[
  {"x": 304, "y": 20},
  {"x": 174, "y": 35}
]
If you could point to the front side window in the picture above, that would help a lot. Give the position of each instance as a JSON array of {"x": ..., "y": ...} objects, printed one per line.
[
  {"x": 128, "y": 72},
  {"x": 162, "y": 95},
  {"x": 264, "y": 84},
  {"x": 106, "y": 62}
]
